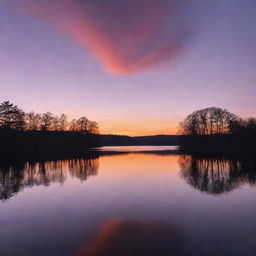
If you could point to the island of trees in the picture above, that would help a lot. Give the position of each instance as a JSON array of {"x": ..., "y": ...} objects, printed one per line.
[{"x": 217, "y": 128}]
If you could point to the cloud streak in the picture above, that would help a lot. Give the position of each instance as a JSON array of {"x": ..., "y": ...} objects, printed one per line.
[{"x": 126, "y": 36}]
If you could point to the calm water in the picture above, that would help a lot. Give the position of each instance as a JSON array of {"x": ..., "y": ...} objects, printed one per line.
[{"x": 131, "y": 203}]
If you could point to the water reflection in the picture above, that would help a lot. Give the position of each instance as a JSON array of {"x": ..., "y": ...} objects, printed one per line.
[
  {"x": 13, "y": 178},
  {"x": 134, "y": 237},
  {"x": 130, "y": 190},
  {"x": 211, "y": 174},
  {"x": 216, "y": 175}
]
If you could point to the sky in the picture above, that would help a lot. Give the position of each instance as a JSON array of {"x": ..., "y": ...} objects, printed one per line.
[{"x": 137, "y": 67}]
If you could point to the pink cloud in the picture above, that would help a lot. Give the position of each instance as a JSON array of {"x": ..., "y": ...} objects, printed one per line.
[{"x": 125, "y": 36}]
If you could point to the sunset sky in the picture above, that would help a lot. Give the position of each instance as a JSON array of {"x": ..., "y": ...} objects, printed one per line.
[{"x": 137, "y": 67}]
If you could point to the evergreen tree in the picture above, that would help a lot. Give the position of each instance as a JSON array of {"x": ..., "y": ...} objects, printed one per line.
[{"x": 11, "y": 117}]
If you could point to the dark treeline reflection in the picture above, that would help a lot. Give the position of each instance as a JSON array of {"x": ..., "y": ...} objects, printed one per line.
[
  {"x": 16, "y": 177},
  {"x": 216, "y": 175}
]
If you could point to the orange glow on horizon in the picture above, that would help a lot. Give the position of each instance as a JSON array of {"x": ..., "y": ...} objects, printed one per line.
[
  {"x": 139, "y": 133},
  {"x": 155, "y": 126}
]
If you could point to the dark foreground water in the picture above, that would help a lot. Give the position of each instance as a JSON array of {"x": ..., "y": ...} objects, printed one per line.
[{"x": 156, "y": 202}]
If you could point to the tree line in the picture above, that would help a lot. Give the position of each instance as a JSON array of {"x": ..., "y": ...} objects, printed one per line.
[
  {"x": 12, "y": 117},
  {"x": 214, "y": 120}
]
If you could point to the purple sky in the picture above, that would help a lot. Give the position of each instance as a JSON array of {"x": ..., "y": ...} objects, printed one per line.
[{"x": 136, "y": 68}]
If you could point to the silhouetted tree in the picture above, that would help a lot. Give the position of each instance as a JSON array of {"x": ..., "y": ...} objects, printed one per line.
[
  {"x": 208, "y": 121},
  {"x": 63, "y": 122},
  {"x": 47, "y": 121},
  {"x": 244, "y": 126},
  {"x": 33, "y": 121},
  {"x": 11, "y": 117},
  {"x": 55, "y": 126},
  {"x": 73, "y": 126},
  {"x": 93, "y": 127},
  {"x": 83, "y": 124}
]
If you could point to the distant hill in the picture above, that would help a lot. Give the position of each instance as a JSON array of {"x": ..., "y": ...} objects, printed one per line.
[
  {"x": 29, "y": 144},
  {"x": 121, "y": 140}
]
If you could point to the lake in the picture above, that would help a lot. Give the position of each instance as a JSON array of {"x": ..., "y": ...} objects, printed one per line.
[{"x": 123, "y": 201}]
